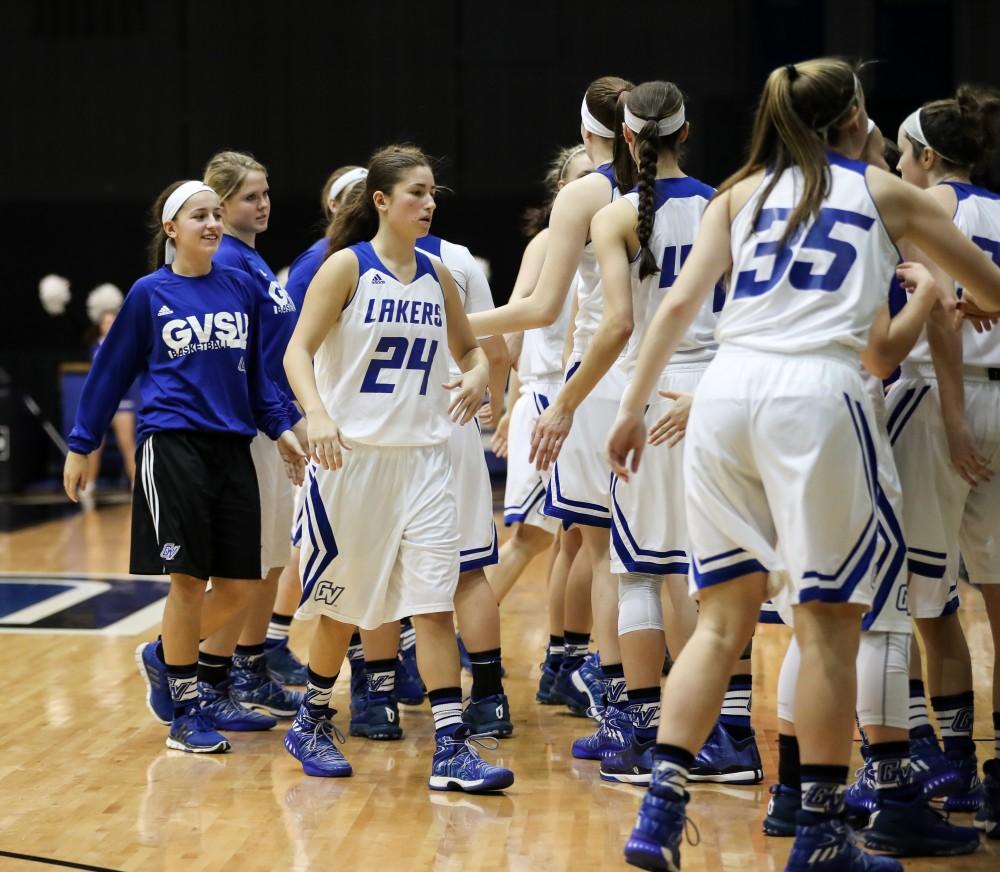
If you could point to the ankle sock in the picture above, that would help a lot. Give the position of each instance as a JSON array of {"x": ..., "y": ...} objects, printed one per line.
[
  {"x": 891, "y": 770},
  {"x": 670, "y": 768},
  {"x": 250, "y": 654},
  {"x": 319, "y": 690},
  {"x": 381, "y": 677},
  {"x": 213, "y": 668},
  {"x": 279, "y": 628},
  {"x": 644, "y": 712},
  {"x": 446, "y": 706},
  {"x": 823, "y": 790},
  {"x": 954, "y": 714},
  {"x": 486, "y": 673},
  {"x": 789, "y": 764},
  {"x": 554, "y": 653},
  {"x": 735, "y": 714},
  {"x": 615, "y": 691},
  {"x": 576, "y": 647},
  {"x": 183, "y": 684}
]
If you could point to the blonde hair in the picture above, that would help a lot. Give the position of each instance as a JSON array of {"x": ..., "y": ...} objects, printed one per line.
[
  {"x": 226, "y": 171},
  {"x": 800, "y": 106}
]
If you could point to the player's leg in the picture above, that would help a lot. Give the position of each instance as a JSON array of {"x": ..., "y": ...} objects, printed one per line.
[{"x": 525, "y": 543}]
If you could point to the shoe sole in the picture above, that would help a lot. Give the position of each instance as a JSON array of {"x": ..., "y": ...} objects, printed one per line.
[
  {"x": 219, "y": 748},
  {"x": 316, "y": 773},
  {"x": 746, "y": 776},
  {"x": 411, "y": 700},
  {"x": 284, "y": 714},
  {"x": 647, "y": 856},
  {"x": 139, "y": 662},
  {"x": 928, "y": 848},
  {"x": 481, "y": 785},
  {"x": 640, "y": 780},
  {"x": 778, "y": 831},
  {"x": 244, "y": 727},
  {"x": 382, "y": 735},
  {"x": 961, "y": 806},
  {"x": 496, "y": 730}
]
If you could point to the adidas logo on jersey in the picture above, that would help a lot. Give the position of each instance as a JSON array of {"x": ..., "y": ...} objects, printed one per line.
[
  {"x": 165, "y": 310},
  {"x": 170, "y": 551},
  {"x": 378, "y": 280}
]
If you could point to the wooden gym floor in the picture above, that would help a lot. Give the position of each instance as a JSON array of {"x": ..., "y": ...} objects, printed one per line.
[{"x": 85, "y": 778}]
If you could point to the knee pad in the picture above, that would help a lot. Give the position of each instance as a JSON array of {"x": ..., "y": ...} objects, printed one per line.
[
  {"x": 639, "y": 605},
  {"x": 788, "y": 678},
  {"x": 884, "y": 680}
]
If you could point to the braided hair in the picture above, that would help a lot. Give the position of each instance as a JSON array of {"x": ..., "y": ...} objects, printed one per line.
[{"x": 651, "y": 101}]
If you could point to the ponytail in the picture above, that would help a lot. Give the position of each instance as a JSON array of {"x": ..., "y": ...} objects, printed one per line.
[
  {"x": 646, "y": 185},
  {"x": 799, "y": 108},
  {"x": 605, "y": 100},
  {"x": 156, "y": 250}
]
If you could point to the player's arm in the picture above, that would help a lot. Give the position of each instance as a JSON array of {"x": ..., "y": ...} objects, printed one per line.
[
  {"x": 611, "y": 231},
  {"x": 568, "y": 227},
  {"x": 471, "y": 387},
  {"x": 527, "y": 277},
  {"x": 709, "y": 259},
  {"x": 328, "y": 293}
]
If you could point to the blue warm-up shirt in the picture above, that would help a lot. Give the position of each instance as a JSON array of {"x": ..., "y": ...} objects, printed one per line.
[
  {"x": 278, "y": 313},
  {"x": 195, "y": 345},
  {"x": 303, "y": 268}
]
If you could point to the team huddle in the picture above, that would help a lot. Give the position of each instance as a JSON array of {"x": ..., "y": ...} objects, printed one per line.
[{"x": 774, "y": 401}]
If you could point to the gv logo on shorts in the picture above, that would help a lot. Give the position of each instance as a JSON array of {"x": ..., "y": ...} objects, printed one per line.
[
  {"x": 170, "y": 551},
  {"x": 328, "y": 593}
]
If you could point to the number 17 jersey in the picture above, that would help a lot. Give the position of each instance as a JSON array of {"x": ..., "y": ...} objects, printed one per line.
[
  {"x": 380, "y": 369},
  {"x": 820, "y": 290}
]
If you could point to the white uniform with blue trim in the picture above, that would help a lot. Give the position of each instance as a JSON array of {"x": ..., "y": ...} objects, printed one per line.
[
  {"x": 580, "y": 488},
  {"x": 380, "y": 535},
  {"x": 780, "y": 458},
  {"x": 478, "y": 543},
  {"x": 540, "y": 374},
  {"x": 648, "y": 526},
  {"x": 942, "y": 514}
]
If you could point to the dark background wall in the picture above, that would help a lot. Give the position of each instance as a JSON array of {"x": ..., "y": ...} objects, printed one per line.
[{"x": 104, "y": 102}]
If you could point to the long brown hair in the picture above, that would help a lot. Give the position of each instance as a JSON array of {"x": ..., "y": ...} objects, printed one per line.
[
  {"x": 799, "y": 109},
  {"x": 651, "y": 101},
  {"x": 357, "y": 218},
  {"x": 155, "y": 251},
  {"x": 606, "y": 101}
]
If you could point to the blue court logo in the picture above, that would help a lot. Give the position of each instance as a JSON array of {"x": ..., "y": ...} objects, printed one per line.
[{"x": 106, "y": 604}]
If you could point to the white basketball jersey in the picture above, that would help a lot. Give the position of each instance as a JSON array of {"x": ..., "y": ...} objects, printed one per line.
[
  {"x": 542, "y": 348},
  {"x": 380, "y": 369},
  {"x": 679, "y": 205},
  {"x": 589, "y": 297},
  {"x": 473, "y": 286},
  {"x": 822, "y": 289},
  {"x": 978, "y": 217}
]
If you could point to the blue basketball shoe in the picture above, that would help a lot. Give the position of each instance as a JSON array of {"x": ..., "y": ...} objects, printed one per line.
[
  {"x": 828, "y": 847},
  {"x": 782, "y": 811},
  {"x": 154, "y": 673},
  {"x": 631, "y": 765},
  {"x": 546, "y": 681},
  {"x": 193, "y": 732},
  {"x": 655, "y": 842},
  {"x": 254, "y": 687},
  {"x": 969, "y": 797},
  {"x": 988, "y": 816},
  {"x": 359, "y": 693},
  {"x": 410, "y": 688},
  {"x": 312, "y": 741},
  {"x": 727, "y": 760},
  {"x": 490, "y": 716},
  {"x": 933, "y": 771},
  {"x": 577, "y": 689},
  {"x": 913, "y": 829},
  {"x": 225, "y": 713},
  {"x": 283, "y": 666},
  {"x": 859, "y": 798},
  {"x": 378, "y": 721},
  {"x": 614, "y": 733},
  {"x": 458, "y": 766}
]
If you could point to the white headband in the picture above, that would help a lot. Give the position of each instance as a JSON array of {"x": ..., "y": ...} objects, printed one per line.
[
  {"x": 591, "y": 124},
  {"x": 182, "y": 193},
  {"x": 871, "y": 126},
  {"x": 345, "y": 181},
  {"x": 664, "y": 126},
  {"x": 915, "y": 130}
]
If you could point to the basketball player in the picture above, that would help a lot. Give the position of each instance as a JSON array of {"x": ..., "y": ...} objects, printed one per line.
[
  {"x": 205, "y": 391},
  {"x": 953, "y": 410},
  {"x": 382, "y": 536},
  {"x": 579, "y": 492},
  {"x": 778, "y": 459}
]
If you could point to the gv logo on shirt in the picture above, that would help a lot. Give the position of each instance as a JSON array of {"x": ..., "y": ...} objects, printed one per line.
[
  {"x": 210, "y": 331},
  {"x": 282, "y": 302}
]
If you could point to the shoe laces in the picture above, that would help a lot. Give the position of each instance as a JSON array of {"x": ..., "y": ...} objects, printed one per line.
[
  {"x": 325, "y": 729},
  {"x": 471, "y": 743},
  {"x": 689, "y": 825},
  {"x": 198, "y": 720}
]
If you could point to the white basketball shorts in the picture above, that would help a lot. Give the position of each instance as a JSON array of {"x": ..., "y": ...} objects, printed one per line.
[
  {"x": 474, "y": 495},
  {"x": 580, "y": 488},
  {"x": 277, "y": 504},
  {"x": 381, "y": 536},
  {"x": 648, "y": 521},
  {"x": 524, "y": 493},
  {"x": 779, "y": 464}
]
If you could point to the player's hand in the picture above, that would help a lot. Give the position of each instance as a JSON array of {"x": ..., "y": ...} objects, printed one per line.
[
  {"x": 672, "y": 426},
  {"x": 292, "y": 455},
  {"x": 485, "y": 414},
  {"x": 326, "y": 442},
  {"x": 301, "y": 431},
  {"x": 981, "y": 320},
  {"x": 965, "y": 459},
  {"x": 499, "y": 442},
  {"x": 471, "y": 389},
  {"x": 551, "y": 430},
  {"x": 625, "y": 444},
  {"x": 75, "y": 475}
]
